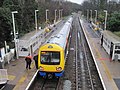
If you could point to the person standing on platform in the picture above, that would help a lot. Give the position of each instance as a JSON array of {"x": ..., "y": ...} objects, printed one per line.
[
  {"x": 36, "y": 60},
  {"x": 28, "y": 60}
]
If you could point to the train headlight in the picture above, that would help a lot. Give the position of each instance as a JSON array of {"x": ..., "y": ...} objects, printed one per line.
[
  {"x": 41, "y": 68},
  {"x": 58, "y": 68}
]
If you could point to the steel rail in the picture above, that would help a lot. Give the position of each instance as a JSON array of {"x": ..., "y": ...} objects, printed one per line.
[
  {"x": 76, "y": 64},
  {"x": 84, "y": 49}
]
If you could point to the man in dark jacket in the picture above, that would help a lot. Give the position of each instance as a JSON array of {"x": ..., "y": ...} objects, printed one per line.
[
  {"x": 28, "y": 60},
  {"x": 36, "y": 60}
]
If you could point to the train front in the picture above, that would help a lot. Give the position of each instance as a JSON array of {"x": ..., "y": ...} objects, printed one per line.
[{"x": 51, "y": 61}]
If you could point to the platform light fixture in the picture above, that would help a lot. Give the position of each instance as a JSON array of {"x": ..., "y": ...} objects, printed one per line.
[
  {"x": 55, "y": 15},
  {"x": 14, "y": 32},
  {"x": 47, "y": 15},
  {"x": 61, "y": 13},
  {"x": 87, "y": 14},
  {"x": 91, "y": 15},
  {"x": 105, "y": 19},
  {"x": 95, "y": 16},
  {"x": 36, "y": 19}
]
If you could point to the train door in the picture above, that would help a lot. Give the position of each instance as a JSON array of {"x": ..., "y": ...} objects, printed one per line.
[
  {"x": 102, "y": 40},
  {"x": 111, "y": 49}
]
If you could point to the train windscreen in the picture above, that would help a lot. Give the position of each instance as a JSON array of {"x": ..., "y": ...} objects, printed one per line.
[{"x": 50, "y": 58}]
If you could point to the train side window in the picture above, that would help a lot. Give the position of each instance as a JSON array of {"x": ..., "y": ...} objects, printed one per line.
[
  {"x": 117, "y": 47},
  {"x": 24, "y": 49},
  {"x": 117, "y": 52}
]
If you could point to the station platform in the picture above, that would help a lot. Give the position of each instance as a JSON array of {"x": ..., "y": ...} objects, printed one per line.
[
  {"x": 19, "y": 77},
  {"x": 108, "y": 70}
]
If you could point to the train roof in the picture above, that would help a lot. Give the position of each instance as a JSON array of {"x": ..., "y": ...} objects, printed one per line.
[
  {"x": 111, "y": 36},
  {"x": 61, "y": 37}
]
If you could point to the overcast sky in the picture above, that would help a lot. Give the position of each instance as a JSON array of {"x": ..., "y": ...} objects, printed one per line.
[{"x": 76, "y": 1}]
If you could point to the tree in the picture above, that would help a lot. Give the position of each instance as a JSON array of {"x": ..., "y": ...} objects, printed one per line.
[
  {"x": 26, "y": 15},
  {"x": 5, "y": 28},
  {"x": 24, "y": 20},
  {"x": 114, "y": 22},
  {"x": 1, "y": 3}
]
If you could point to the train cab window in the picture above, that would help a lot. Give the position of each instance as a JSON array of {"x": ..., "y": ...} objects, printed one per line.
[{"x": 50, "y": 58}]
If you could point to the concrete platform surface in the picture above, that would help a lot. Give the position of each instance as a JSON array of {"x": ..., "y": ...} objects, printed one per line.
[
  {"x": 109, "y": 70},
  {"x": 18, "y": 76}
]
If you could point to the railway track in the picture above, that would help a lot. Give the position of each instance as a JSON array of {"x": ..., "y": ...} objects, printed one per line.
[
  {"x": 50, "y": 84},
  {"x": 83, "y": 63},
  {"x": 86, "y": 76},
  {"x": 41, "y": 83},
  {"x": 80, "y": 69}
]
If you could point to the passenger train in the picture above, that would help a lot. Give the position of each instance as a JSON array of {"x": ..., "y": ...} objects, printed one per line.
[
  {"x": 111, "y": 43},
  {"x": 52, "y": 55}
]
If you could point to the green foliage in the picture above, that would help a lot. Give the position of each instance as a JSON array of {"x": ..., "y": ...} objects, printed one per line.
[
  {"x": 5, "y": 28},
  {"x": 101, "y": 16},
  {"x": 114, "y": 22},
  {"x": 7, "y": 3},
  {"x": 1, "y": 3},
  {"x": 24, "y": 19},
  {"x": 28, "y": 13},
  {"x": 102, "y": 4}
]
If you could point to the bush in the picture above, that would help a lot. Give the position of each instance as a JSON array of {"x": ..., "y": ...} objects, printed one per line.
[{"x": 114, "y": 22}]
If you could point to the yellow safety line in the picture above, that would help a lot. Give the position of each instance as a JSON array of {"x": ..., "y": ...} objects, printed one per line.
[
  {"x": 99, "y": 56},
  {"x": 23, "y": 78},
  {"x": 97, "y": 52},
  {"x": 32, "y": 65},
  {"x": 104, "y": 65},
  {"x": 107, "y": 71},
  {"x": 11, "y": 77}
]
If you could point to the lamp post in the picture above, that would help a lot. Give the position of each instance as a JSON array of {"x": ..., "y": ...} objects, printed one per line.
[
  {"x": 87, "y": 14},
  {"x": 59, "y": 14},
  {"x": 46, "y": 15},
  {"x": 55, "y": 15},
  {"x": 36, "y": 19},
  {"x": 91, "y": 15},
  {"x": 36, "y": 24},
  {"x": 15, "y": 33},
  {"x": 105, "y": 19},
  {"x": 95, "y": 16}
]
